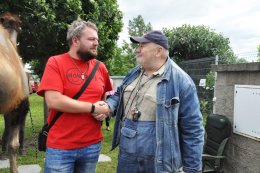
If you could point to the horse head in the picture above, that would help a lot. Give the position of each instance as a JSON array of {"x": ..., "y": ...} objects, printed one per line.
[{"x": 12, "y": 24}]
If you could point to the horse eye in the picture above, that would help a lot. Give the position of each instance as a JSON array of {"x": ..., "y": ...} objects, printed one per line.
[{"x": 11, "y": 22}]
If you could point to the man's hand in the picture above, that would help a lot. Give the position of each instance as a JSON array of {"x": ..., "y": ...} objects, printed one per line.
[{"x": 101, "y": 110}]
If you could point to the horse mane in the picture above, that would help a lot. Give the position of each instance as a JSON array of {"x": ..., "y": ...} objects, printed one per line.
[{"x": 13, "y": 82}]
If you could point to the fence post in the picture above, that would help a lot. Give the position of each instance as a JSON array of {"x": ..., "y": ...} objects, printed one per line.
[{"x": 215, "y": 81}]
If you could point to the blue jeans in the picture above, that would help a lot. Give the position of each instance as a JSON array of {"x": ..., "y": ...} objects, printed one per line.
[
  {"x": 137, "y": 147},
  {"x": 80, "y": 160}
]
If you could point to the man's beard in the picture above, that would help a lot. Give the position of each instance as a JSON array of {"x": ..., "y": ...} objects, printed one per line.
[
  {"x": 139, "y": 60},
  {"x": 86, "y": 56}
]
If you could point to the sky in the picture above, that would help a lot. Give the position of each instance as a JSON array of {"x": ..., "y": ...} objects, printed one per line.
[{"x": 237, "y": 20}]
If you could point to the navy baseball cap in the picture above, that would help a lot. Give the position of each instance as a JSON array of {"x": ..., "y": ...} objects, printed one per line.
[{"x": 156, "y": 37}]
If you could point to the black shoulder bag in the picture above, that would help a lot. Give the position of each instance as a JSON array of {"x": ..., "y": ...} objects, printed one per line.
[{"x": 42, "y": 138}]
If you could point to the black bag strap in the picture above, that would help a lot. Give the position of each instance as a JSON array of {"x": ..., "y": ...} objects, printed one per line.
[{"x": 82, "y": 89}]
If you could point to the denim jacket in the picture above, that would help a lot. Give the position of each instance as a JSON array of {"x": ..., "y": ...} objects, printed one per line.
[{"x": 179, "y": 127}]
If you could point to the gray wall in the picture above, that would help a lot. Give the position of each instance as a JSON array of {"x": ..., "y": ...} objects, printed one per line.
[
  {"x": 243, "y": 154},
  {"x": 117, "y": 81}
]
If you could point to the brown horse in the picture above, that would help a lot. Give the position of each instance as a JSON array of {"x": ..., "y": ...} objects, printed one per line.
[{"x": 14, "y": 89}]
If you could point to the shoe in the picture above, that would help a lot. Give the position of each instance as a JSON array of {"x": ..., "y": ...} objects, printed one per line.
[{"x": 108, "y": 129}]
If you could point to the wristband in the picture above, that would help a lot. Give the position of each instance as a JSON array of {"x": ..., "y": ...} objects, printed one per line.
[{"x": 92, "y": 108}]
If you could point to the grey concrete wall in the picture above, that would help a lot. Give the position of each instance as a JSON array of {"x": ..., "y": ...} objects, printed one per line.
[
  {"x": 243, "y": 153},
  {"x": 117, "y": 81}
]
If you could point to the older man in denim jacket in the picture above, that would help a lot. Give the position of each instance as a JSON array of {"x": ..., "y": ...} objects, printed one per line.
[{"x": 158, "y": 124}]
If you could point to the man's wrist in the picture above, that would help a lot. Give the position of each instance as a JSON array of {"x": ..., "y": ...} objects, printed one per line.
[
  {"x": 108, "y": 105},
  {"x": 93, "y": 107}
]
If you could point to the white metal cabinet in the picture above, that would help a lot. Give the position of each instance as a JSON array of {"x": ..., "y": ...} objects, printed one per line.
[{"x": 247, "y": 111}]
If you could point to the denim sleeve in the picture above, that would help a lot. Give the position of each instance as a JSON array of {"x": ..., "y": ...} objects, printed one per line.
[
  {"x": 113, "y": 100},
  {"x": 191, "y": 130}
]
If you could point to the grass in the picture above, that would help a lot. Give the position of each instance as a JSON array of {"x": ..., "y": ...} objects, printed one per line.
[{"x": 36, "y": 106}]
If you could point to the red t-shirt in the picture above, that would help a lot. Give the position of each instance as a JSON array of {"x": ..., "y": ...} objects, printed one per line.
[{"x": 74, "y": 130}]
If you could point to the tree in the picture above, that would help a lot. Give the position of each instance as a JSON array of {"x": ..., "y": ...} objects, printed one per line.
[
  {"x": 258, "y": 50},
  {"x": 119, "y": 64},
  {"x": 125, "y": 59},
  {"x": 45, "y": 26},
  {"x": 137, "y": 26},
  {"x": 258, "y": 54},
  {"x": 241, "y": 61},
  {"x": 193, "y": 42}
]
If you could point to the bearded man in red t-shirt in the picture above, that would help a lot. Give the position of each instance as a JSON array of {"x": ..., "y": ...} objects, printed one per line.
[{"x": 74, "y": 141}]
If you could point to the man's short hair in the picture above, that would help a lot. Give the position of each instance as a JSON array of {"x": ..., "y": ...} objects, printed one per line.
[{"x": 76, "y": 28}]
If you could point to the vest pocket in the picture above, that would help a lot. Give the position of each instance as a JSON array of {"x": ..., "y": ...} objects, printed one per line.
[
  {"x": 128, "y": 140},
  {"x": 171, "y": 111}
]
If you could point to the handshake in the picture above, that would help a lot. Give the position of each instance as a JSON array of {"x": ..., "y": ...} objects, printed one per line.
[{"x": 101, "y": 110}]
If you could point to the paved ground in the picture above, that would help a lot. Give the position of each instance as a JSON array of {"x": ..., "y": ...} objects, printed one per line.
[
  {"x": 104, "y": 158},
  {"x": 4, "y": 163},
  {"x": 29, "y": 168},
  {"x": 23, "y": 168},
  {"x": 35, "y": 168}
]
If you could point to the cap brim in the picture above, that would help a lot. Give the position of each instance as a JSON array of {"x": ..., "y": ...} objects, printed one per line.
[{"x": 139, "y": 40}]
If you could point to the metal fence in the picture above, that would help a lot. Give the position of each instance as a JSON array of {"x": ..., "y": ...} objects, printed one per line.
[
  {"x": 198, "y": 70},
  {"x": 249, "y": 56}
]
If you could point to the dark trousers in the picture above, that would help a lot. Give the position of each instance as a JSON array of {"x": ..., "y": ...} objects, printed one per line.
[{"x": 107, "y": 121}]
